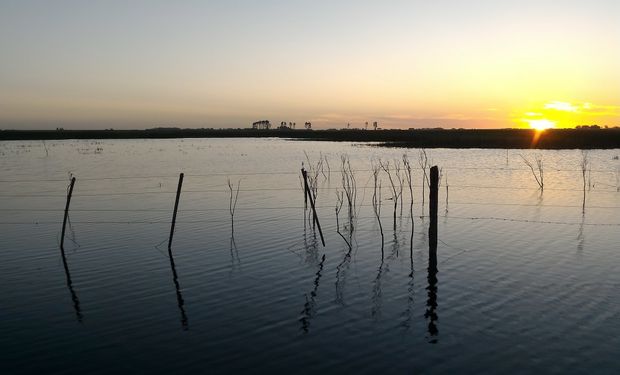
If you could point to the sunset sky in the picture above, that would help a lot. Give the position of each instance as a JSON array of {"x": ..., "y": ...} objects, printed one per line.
[{"x": 473, "y": 64}]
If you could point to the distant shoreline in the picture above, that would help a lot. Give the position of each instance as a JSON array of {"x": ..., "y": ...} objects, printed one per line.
[{"x": 428, "y": 138}]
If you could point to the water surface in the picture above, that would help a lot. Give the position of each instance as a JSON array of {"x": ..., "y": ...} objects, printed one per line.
[{"x": 526, "y": 282}]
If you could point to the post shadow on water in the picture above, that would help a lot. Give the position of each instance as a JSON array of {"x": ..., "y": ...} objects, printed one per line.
[
  {"x": 431, "y": 302},
  {"x": 309, "y": 309},
  {"x": 74, "y": 297},
  {"x": 177, "y": 286}
]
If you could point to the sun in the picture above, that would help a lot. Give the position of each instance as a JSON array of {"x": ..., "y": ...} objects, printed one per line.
[{"x": 541, "y": 124}]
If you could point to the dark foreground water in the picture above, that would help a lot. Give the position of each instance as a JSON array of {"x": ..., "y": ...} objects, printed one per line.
[{"x": 525, "y": 282}]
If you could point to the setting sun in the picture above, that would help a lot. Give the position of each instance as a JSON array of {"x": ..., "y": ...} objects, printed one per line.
[{"x": 541, "y": 124}]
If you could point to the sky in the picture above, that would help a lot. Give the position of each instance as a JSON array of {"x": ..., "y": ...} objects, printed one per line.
[{"x": 442, "y": 63}]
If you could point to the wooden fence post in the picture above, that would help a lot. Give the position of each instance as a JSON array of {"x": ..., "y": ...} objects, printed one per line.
[
  {"x": 314, "y": 214},
  {"x": 64, "y": 222},
  {"x": 433, "y": 204},
  {"x": 176, "y": 207}
]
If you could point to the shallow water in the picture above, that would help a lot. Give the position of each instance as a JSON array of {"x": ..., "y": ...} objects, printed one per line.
[{"x": 526, "y": 282}]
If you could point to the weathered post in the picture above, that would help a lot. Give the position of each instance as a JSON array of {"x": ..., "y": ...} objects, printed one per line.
[
  {"x": 306, "y": 188},
  {"x": 176, "y": 207},
  {"x": 64, "y": 222},
  {"x": 431, "y": 302},
  {"x": 314, "y": 214},
  {"x": 433, "y": 204}
]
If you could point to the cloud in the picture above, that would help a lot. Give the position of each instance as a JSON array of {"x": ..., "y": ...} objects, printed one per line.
[
  {"x": 561, "y": 106},
  {"x": 584, "y": 108}
]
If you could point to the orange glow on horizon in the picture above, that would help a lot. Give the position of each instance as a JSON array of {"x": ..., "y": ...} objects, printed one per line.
[
  {"x": 541, "y": 124},
  {"x": 564, "y": 114}
]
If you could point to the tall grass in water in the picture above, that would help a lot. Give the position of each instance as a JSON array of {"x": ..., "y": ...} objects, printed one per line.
[
  {"x": 409, "y": 178},
  {"x": 349, "y": 187},
  {"x": 232, "y": 203},
  {"x": 314, "y": 172},
  {"x": 339, "y": 203},
  {"x": 376, "y": 200},
  {"x": 424, "y": 165},
  {"x": 585, "y": 165},
  {"x": 396, "y": 182},
  {"x": 537, "y": 172}
]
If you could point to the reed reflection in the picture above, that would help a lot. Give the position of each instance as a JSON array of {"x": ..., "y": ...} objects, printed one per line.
[
  {"x": 309, "y": 309},
  {"x": 580, "y": 236},
  {"x": 408, "y": 314},
  {"x": 377, "y": 292},
  {"x": 341, "y": 275},
  {"x": 235, "y": 261},
  {"x": 395, "y": 246},
  {"x": 312, "y": 248}
]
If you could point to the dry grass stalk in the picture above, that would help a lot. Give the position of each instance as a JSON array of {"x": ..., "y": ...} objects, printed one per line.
[
  {"x": 408, "y": 177},
  {"x": 376, "y": 200},
  {"x": 232, "y": 204},
  {"x": 397, "y": 184},
  {"x": 349, "y": 186},
  {"x": 339, "y": 203},
  {"x": 585, "y": 165},
  {"x": 424, "y": 165},
  {"x": 537, "y": 172}
]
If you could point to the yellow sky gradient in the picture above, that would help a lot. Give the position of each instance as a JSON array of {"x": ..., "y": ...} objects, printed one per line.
[{"x": 484, "y": 64}]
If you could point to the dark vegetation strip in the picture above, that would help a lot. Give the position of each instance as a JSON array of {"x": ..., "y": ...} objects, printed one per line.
[{"x": 427, "y": 138}]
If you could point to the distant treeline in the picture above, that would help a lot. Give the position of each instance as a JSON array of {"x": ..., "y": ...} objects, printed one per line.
[{"x": 584, "y": 138}]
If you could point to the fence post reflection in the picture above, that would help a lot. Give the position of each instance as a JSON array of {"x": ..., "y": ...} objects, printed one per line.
[
  {"x": 74, "y": 297},
  {"x": 177, "y": 286}
]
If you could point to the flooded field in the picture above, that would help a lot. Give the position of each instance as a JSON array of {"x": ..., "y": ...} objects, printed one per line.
[{"x": 526, "y": 280}]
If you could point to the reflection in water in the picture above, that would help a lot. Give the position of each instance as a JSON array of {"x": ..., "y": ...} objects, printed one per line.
[
  {"x": 74, "y": 297},
  {"x": 180, "y": 301},
  {"x": 310, "y": 306},
  {"x": 539, "y": 205},
  {"x": 377, "y": 293},
  {"x": 410, "y": 285},
  {"x": 311, "y": 247},
  {"x": 395, "y": 247},
  {"x": 408, "y": 314},
  {"x": 431, "y": 302},
  {"x": 235, "y": 261},
  {"x": 580, "y": 237},
  {"x": 341, "y": 273}
]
